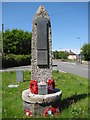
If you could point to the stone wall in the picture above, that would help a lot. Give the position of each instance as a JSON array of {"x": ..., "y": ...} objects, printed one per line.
[{"x": 40, "y": 73}]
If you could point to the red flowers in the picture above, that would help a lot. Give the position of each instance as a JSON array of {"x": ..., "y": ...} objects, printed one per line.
[
  {"x": 28, "y": 113},
  {"x": 51, "y": 86},
  {"x": 51, "y": 110},
  {"x": 33, "y": 87},
  {"x": 34, "y": 90}
]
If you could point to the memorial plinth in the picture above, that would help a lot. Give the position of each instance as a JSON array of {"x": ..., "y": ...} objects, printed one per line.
[{"x": 38, "y": 103}]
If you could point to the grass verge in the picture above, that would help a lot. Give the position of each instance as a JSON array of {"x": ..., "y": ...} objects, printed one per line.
[{"x": 74, "y": 102}]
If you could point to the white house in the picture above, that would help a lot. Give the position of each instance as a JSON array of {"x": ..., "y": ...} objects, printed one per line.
[{"x": 72, "y": 55}]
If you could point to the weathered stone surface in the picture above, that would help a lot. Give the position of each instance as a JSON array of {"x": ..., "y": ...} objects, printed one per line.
[
  {"x": 38, "y": 103},
  {"x": 36, "y": 98},
  {"x": 37, "y": 72},
  {"x": 19, "y": 76}
]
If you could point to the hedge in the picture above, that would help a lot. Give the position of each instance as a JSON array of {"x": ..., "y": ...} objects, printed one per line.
[{"x": 11, "y": 60}]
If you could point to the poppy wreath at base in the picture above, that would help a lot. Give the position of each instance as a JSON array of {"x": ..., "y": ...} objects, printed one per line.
[
  {"x": 51, "y": 110},
  {"x": 51, "y": 86},
  {"x": 33, "y": 87},
  {"x": 28, "y": 113}
]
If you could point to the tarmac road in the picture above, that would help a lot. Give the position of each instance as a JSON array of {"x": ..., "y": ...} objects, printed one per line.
[
  {"x": 78, "y": 69},
  {"x": 74, "y": 68}
]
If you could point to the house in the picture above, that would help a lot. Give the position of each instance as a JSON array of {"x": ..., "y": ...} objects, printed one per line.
[{"x": 72, "y": 55}]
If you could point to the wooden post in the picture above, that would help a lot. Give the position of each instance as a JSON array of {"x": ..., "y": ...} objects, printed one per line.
[{"x": 2, "y": 38}]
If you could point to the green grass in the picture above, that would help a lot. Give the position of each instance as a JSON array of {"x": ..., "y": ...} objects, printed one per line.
[
  {"x": 74, "y": 102},
  {"x": 0, "y": 96}
]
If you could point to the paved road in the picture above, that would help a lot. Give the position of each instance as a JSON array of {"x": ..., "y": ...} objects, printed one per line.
[
  {"x": 78, "y": 69},
  {"x": 17, "y": 68}
]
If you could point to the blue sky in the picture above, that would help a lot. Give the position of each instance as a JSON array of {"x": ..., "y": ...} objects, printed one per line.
[{"x": 68, "y": 21}]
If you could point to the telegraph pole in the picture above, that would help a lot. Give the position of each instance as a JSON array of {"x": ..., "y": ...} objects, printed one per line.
[{"x": 2, "y": 38}]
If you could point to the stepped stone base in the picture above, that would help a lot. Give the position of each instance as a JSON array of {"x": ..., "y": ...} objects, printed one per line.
[{"x": 38, "y": 103}]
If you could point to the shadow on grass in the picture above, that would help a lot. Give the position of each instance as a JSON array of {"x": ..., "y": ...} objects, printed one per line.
[
  {"x": 65, "y": 103},
  {"x": 26, "y": 80}
]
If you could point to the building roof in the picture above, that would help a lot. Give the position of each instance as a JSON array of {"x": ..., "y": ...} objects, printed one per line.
[{"x": 71, "y": 53}]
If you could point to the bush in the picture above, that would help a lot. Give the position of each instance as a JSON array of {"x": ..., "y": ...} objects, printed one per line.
[
  {"x": 86, "y": 51},
  {"x": 12, "y": 60},
  {"x": 60, "y": 54},
  {"x": 17, "y": 42}
]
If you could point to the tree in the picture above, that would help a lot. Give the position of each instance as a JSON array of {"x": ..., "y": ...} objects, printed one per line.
[
  {"x": 17, "y": 42},
  {"x": 60, "y": 54},
  {"x": 86, "y": 51},
  {"x": 55, "y": 54}
]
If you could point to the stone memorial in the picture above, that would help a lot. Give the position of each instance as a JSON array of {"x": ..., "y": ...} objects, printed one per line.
[
  {"x": 42, "y": 98},
  {"x": 19, "y": 76},
  {"x": 41, "y": 62}
]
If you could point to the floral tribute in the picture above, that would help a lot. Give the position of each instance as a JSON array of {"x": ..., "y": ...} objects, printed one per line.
[
  {"x": 33, "y": 87},
  {"x": 51, "y": 86},
  {"x": 51, "y": 110},
  {"x": 51, "y": 89},
  {"x": 28, "y": 113}
]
